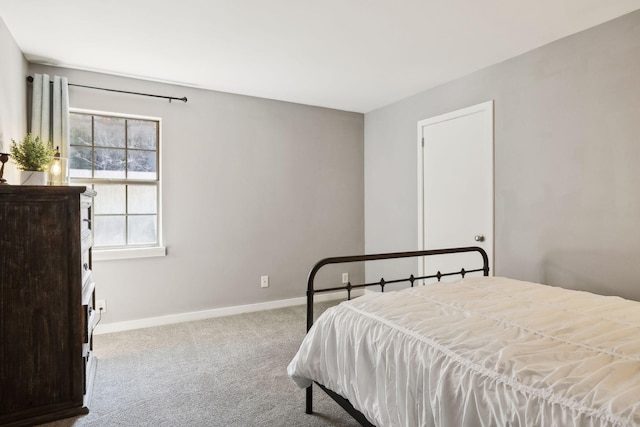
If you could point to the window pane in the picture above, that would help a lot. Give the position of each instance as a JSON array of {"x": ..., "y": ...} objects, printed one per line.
[
  {"x": 142, "y": 134},
  {"x": 112, "y": 199},
  {"x": 109, "y": 163},
  {"x": 109, "y": 132},
  {"x": 80, "y": 162},
  {"x": 142, "y": 165},
  {"x": 80, "y": 129},
  {"x": 109, "y": 230},
  {"x": 143, "y": 199},
  {"x": 142, "y": 230}
]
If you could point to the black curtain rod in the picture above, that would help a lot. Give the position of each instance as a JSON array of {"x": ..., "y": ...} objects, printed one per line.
[{"x": 170, "y": 98}]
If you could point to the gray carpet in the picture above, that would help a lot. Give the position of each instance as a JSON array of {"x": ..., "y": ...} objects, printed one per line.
[{"x": 228, "y": 371}]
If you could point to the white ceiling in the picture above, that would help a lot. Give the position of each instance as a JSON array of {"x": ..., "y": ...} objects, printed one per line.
[{"x": 354, "y": 55}]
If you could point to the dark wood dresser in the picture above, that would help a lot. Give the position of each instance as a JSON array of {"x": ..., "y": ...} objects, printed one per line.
[{"x": 47, "y": 303}]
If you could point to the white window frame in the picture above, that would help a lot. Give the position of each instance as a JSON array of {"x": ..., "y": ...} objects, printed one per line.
[{"x": 105, "y": 254}]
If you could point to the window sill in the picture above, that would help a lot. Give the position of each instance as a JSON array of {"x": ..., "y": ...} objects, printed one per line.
[{"x": 129, "y": 253}]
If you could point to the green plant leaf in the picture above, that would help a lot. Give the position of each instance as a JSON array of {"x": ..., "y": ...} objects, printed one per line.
[{"x": 32, "y": 154}]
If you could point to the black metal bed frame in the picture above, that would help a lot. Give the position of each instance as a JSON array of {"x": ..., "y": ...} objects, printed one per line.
[{"x": 311, "y": 291}]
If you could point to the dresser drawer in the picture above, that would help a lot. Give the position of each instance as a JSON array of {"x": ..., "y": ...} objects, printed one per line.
[
  {"x": 87, "y": 362},
  {"x": 85, "y": 263},
  {"x": 85, "y": 212},
  {"x": 88, "y": 312}
]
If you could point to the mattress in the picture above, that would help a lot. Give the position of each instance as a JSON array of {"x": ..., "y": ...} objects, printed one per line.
[{"x": 483, "y": 351}]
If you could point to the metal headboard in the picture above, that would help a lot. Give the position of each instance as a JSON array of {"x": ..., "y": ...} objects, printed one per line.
[{"x": 382, "y": 283}]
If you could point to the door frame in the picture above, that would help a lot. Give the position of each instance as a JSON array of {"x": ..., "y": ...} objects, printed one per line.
[{"x": 482, "y": 107}]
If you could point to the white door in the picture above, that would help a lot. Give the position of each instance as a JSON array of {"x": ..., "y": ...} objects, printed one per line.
[{"x": 455, "y": 186}]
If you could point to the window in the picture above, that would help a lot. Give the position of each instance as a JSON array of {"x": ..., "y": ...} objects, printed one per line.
[{"x": 119, "y": 156}]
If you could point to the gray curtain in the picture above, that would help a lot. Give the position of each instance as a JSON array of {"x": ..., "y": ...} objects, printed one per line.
[{"x": 50, "y": 111}]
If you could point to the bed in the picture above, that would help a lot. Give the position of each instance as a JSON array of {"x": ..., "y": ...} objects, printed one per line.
[{"x": 480, "y": 351}]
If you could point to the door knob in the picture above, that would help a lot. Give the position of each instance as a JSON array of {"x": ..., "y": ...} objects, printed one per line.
[{"x": 479, "y": 237}]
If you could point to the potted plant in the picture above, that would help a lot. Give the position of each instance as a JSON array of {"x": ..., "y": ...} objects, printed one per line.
[{"x": 32, "y": 157}]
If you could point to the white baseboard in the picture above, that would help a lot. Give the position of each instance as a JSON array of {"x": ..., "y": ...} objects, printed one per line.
[{"x": 150, "y": 322}]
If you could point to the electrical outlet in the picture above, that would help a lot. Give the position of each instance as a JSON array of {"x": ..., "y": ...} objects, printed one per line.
[
  {"x": 264, "y": 281},
  {"x": 101, "y": 306},
  {"x": 345, "y": 278}
]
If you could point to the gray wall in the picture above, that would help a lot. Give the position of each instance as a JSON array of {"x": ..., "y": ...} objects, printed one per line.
[
  {"x": 13, "y": 69},
  {"x": 251, "y": 187},
  {"x": 567, "y": 154}
]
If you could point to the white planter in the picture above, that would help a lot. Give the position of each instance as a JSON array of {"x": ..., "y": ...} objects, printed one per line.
[{"x": 33, "y": 178}]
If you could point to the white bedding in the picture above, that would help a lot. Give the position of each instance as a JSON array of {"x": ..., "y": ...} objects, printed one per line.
[{"x": 480, "y": 352}]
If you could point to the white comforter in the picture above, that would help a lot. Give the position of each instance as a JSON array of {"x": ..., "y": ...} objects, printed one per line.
[{"x": 480, "y": 352}]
